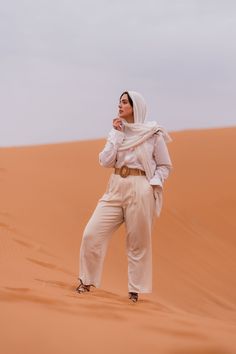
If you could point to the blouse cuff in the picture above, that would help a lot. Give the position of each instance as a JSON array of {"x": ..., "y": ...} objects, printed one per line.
[{"x": 156, "y": 181}]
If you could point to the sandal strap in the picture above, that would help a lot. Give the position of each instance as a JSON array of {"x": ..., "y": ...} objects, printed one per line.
[
  {"x": 82, "y": 288},
  {"x": 133, "y": 296}
]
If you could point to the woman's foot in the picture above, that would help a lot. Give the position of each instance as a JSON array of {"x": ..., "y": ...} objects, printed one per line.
[
  {"x": 133, "y": 296},
  {"x": 82, "y": 288}
]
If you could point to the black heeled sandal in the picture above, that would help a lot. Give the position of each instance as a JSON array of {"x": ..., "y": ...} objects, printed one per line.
[
  {"x": 133, "y": 296},
  {"x": 82, "y": 288}
]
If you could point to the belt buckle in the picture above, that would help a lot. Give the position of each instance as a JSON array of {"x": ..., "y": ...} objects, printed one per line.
[{"x": 124, "y": 171}]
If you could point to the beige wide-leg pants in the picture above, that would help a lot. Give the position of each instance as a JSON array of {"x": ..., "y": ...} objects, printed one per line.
[{"x": 129, "y": 200}]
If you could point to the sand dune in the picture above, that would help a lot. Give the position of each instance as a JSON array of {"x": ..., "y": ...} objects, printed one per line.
[{"x": 47, "y": 194}]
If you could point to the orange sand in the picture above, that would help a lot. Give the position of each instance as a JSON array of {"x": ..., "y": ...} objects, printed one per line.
[{"x": 47, "y": 194}]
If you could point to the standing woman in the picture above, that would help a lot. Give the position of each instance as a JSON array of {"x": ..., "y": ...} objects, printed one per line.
[{"x": 137, "y": 151}]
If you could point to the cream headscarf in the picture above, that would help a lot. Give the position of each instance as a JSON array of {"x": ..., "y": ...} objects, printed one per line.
[{"x": 140, "y": 131}]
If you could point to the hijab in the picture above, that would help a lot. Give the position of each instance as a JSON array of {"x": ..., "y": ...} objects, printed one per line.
[{"x": 138, "y": 132}]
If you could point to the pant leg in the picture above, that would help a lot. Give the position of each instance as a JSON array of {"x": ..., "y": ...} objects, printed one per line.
[
  {"x": 139, "y": 213},
  {"x": 107, "y": 217}
]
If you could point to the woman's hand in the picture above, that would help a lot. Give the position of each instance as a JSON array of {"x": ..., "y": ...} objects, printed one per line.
[{"x": 117, "y": 124}]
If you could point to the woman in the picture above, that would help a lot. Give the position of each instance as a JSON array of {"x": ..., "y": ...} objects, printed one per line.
[{"x": 137, "y": 151}]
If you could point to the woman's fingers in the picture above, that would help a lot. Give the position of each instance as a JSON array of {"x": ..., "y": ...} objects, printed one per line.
[
  {"x": 116, "y": 120},
  {"x": 117, "y": 124}
]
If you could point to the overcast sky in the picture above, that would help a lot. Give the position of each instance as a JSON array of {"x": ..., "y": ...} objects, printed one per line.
[{"x": 64, "y": 63}]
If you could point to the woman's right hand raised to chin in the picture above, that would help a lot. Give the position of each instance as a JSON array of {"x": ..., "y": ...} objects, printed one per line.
[{"x": 118, "y": 124}]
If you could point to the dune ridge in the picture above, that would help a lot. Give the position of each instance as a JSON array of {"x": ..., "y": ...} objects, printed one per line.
[{"x": 48, "y": 193}]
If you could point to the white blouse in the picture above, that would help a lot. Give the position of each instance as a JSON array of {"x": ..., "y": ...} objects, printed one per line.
[{"x": 156, "y": 149}]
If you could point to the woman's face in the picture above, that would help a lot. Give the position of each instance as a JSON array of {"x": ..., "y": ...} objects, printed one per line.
[{"x": 125, "y": 109}]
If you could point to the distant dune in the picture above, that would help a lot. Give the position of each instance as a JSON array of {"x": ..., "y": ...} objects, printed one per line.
[{"x": 47, "y": 194}]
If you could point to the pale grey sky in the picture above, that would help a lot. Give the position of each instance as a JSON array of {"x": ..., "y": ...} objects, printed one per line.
[{"x": 64, "y": 63}]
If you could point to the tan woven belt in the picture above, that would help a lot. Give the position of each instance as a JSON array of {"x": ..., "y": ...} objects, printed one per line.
[{"x": 125, "y": 171}]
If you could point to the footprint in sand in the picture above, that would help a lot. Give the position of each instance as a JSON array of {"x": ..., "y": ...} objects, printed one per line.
[{"x": 49, "y": 266}]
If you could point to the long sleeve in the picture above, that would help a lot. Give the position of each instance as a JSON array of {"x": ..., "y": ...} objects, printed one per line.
[
  {"x": 107, "y": 157},
  {"x": 163, "y": 162}
]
